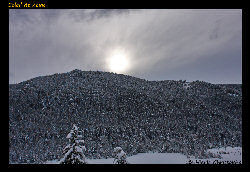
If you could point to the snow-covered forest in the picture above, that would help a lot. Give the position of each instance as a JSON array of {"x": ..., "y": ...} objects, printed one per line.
[{"x": 115, "y": 110}]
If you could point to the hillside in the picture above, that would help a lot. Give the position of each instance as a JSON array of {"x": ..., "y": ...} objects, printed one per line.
[{"x": 120, "y": 110}]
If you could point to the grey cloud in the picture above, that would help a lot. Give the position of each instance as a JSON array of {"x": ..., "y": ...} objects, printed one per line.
[
  {"x": 162, "y": 44},
  {"x": 108, "y": 12},
  {"x": 92, "y": 14}
]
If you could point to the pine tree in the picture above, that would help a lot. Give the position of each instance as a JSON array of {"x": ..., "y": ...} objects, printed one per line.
[
  {"x": 73, "y": 152},
  {"x": 120, "y": 156}
]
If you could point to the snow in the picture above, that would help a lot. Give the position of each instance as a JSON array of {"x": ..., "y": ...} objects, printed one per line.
[
  {"x": 68, "y": 146},
  {"x": 117, "y": 149},
  {"x": 121, "y": 154},
  {"x": 157, "y": 158},
  {"x": 56, "y": 161},
  {"x": 80, "y": 149},
  {"x": 75, "y": 127},
  {"x": 79, "y": 141},
  {"x": 228, "y": 155},
  {"x": 65, "y": 156},
  {"x": 100, "y": 161},
  {"x": 186, "y": 85},
  {"x": 69, "y": 135},
  {"x": 232, "y": 94}
]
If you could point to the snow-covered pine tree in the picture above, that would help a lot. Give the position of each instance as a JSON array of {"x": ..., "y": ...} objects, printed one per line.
[
  {"x": 73, "y": 152},
  {"x": 120, "y": 156}
]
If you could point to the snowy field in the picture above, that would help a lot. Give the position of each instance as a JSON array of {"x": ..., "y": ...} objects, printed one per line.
[{"x": 228, "y": 155}]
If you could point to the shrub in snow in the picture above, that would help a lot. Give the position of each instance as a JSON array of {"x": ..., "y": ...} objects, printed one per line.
[
  {"x": 120, "y": 156},
  {"x": 73, "y": 152}
]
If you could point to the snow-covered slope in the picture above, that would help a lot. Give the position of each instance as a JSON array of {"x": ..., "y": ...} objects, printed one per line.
[{"x": 227, "y": 155}]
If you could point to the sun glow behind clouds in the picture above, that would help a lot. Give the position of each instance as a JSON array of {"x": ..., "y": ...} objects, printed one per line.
[{"x": 118, "y": 61}]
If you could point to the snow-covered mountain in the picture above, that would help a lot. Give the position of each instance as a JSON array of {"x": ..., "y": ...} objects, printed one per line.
[{"x": 119, "y": 110}]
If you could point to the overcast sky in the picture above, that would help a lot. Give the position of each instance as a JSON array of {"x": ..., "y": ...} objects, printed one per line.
[{"x": 159, "y": 44}]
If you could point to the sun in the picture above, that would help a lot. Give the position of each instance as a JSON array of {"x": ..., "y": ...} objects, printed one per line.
[{"x": 118, "y": 61}]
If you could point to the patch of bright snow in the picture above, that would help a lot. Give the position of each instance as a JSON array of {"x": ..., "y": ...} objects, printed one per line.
[{"x": 157, "y": 158}]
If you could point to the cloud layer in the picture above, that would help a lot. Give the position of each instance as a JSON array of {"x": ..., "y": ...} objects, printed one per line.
[{"x": 162, "y": 44}]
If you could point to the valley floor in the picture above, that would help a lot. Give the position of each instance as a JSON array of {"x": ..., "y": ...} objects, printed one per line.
[{"x": 228, "y": 155}]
